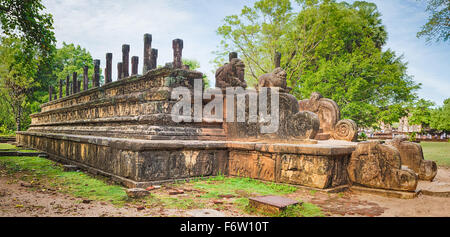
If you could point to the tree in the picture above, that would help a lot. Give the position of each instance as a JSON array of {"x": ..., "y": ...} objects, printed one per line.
[
  {"x": 24, "y": 19},
  {"x": 420, "y": 113},
  {"x": 18, "y": 67},
  {"x": 69, "y": 59},
  {"x": 438, "y": 25},
  {"x": 327, "y": 47},
  {"x": 440, "y": 118}
]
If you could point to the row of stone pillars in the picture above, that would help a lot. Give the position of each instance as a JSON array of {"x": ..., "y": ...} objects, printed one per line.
[{"x": 150, "y": 63}]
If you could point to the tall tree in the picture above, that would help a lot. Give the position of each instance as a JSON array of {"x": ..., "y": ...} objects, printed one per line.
[
  {"x": 440, "y": 118},
  {"x": 25, "y": 19},
  {"x": 18, "y": 67},
  {"x": 72, "y": 58},
  {"x": 438, "y": 25},
  {"x": 329, "y": 47},
  {"x": 420, "y": 113}
]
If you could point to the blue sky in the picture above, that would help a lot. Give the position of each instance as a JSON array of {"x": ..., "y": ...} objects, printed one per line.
[{"x": 103, "y": 26}]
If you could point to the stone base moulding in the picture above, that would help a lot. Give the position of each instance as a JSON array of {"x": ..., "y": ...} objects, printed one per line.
[{"x": 141, "y": 163}]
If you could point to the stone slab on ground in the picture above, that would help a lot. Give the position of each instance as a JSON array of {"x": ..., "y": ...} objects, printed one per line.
[
  {"x": 137, "y": 192},
  {"x": 440, "y": 187},
  {"x": 271, "y": 204},
  {"x": 384, "y": 192}
]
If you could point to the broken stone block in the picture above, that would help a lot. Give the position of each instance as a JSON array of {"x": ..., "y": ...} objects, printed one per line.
[
  {"x": 377, "y": 165},
  {"x": 137, "y": 192},
  {"x": 271, "y": 204},
  {"x": 411, "y": 155}
]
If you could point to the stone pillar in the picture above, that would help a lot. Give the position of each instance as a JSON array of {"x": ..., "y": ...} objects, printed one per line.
[
  {"x": 56, "y": 97},
  {"x": 70, "y": 89},
  {"x": 125, "y": 60},
  {"x": 50, "y": 92},
  {"x": 108, "y": 69},
  {"x": 60, "y": 89},
  {"x": 79, "y": 86},
  {"x": 277, "y": 59},
  {"x": 232, "y": 55},
  {"x": 148, "y": 53},
  {"x": 154, "y": 59},
  {"x": 96, "y": 73},
  {"x": 67, "y": 85},
  {"x": 85, "y": 78},
  {"x": 134, "y": 65},
  {"x": 119, "y": 71},
  {"x": 177, "y": 45},
  {"x": 74, "y": 82}
]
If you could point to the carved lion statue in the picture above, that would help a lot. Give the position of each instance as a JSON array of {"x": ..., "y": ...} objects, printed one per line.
[
  {"x": 231, "y": 74},
  {"x": 277, "y": 78}
]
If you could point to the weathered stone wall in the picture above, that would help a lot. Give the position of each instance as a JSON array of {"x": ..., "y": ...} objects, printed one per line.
[
  {"x": 320, "y": 165},
  {"x": 136, "y": 160}
]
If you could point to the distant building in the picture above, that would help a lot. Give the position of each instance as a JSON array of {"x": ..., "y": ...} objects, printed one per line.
[{"x": 403, "y": 126}]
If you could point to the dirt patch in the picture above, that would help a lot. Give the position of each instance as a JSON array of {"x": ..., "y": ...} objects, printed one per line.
[{"x": 18, "y": 198}]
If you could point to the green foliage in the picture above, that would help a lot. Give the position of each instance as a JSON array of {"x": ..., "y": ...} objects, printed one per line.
[
  {"x": 420, "y": 113},
  {"x": 194, "y": 65},
  {"x": 440, "y": 117},
  {"x": 438, "y": 25},
  {"x": 362, "y": 136},
  {"x": 25, "y": 19},
  {"x": 25, "y": 77},
  {"x": 18, "y": 68},
  {"x": 412, "y": 137},
  {"x": 72, "y": 58},
  {"x": 303, "y": 210},
  {"x": 224, "y": 186},
  {"x": 327, "y": 47}
]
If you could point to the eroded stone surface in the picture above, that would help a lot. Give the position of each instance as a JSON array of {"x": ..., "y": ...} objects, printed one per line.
[
  {"x": 329, "y": 115},
  {"x": 293, "y": 125},
  {"x": 277, "y": 78},
  {"x": 376, "y": 165},
  {"x": 411, "y": 155},
  {"x": 231, "y": 74}
]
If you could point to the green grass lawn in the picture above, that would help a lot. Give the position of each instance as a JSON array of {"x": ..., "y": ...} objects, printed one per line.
[
  {"x": 6, "y": 146},
  {"x": 437, "y": 151}
]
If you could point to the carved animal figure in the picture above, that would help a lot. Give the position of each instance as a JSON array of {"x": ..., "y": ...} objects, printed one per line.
[
  {"x": 277, "y": 78},
  {"x": 231, "y": 74}
]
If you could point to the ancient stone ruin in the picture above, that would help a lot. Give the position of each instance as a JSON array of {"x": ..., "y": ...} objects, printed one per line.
[
  {"x": 331, "y": 127},
  {"x": 124, "y": 129}
]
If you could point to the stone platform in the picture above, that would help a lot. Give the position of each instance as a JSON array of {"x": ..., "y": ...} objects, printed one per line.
[
  {"x": 140, "y": 163},
  {"x": 132, "y": 131}
]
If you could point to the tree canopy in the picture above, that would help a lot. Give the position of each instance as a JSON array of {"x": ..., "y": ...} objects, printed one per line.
[
  {"x": 18, "y": 67},
  {"x": 440, "y": 117},
  {"x": 25, "y": 19},
  {"x": 438, "y": 25},
  {"x": 327, "y": 47},
  {"x": 420, "y": 113}
]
